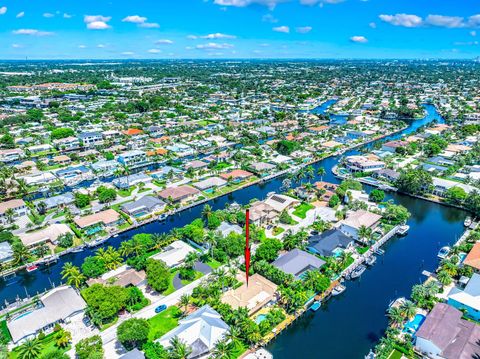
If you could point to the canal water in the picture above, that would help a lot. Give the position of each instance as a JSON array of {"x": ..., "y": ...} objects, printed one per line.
[{"x": 347, "y": 326}]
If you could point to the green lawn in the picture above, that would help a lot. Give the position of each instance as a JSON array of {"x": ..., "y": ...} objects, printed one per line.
[
  {"x": 395, "y": 354},
  {"x": 48, "y": 344},
  {"x": 302, "y": 209},
  {"x": 198, "y": 275},
  {"x": 126, "y": 192},
  {"x": 214, "y": 264},
  {"x": 163, "y": 322},
  {"x": 277, "y": 230},
  {"x": 362, "y": 250}
]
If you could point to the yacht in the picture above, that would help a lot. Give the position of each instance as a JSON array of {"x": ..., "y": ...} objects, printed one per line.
[
  {"x": 467, "y": 222},
  {"x": 370, "y": 260},
  {"x": 357, "y": 272},
  {"x": 443, "y": 252},
  {"x": 402, "y": 230},
  {"x": 339, "y": 289}
]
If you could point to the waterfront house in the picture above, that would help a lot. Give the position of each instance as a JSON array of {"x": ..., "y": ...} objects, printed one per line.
[
  {"x": 57, "y": 306},
  {"x": 236, "y": 176},
  {"x": 143, "y": 206},
  {"x": 392, "y": 146},
  {"x": 166, "y": 172},
  {"x": 174, "y": 254},
  {"x": 262, "y": 168},
  {"x": 210, "y": 183},
  {"x": 10, "y": 155},
  {"x": 267, "y": 211},
  {"x": 50, "y": 234},
  {"x": 131, "y": 180},
  {"x": 387, "y": 174},
  {"x": 179, "y": 194},
  {"x": 99, "y": 221},
  {"x": 259, "y": 292},
  {"x": 105, "y": 167},
  {"x": 468, "y": 299},
  {"x": 473, "y": 257},
  {"x": 325, "y": 190},
  {"x": 363, "y": 164},
  {"x": 133, "y": 159},
  {"x": 298, "y": 262},
  {"x": 226, "y": 228},
  {"x": 329, "y": 243},
  {"x": 124, "y": 276},
  {"x": 11, "y": 210},
  {"x": 40, "y": 178},
  {"x": 355, "y": 220},
  {"x": 440, "y": 186},
  {"x": 445, "y": 335},
  {"x": 196, "y": 164},
  {"x": 201, "y": 331}
]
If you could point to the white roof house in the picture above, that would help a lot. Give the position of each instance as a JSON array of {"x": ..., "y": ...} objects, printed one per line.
[
  {"x": 58, "y": 305},
  {"x": 226, "y": 228},
  {"x": 201, "y": 330},
  {"x": 468, "y": 297},
  {"x": 174, "y": 254},
  {"x": 210, "y": 183}
]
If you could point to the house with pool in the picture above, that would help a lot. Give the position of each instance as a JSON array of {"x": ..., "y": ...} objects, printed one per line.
[
  {"x": 298, "y": 262},
  {"x": 468, "y": 299},
  {"x": 57, "y": 306},
  {"x": 98, "y": 222},
  {"x": 143, "y": 206}
]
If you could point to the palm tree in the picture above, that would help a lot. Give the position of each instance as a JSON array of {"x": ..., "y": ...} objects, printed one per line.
[
  {"x": 191, "y": 259},
  {"x": 233, "y": 336},
  {"x": 125, "y": 248},
  {"x": 31, "y": 349},
  {"x": 444, "y": 277},
  {"x": 185, "y": 302},
  {"x": 309, "y": 172},
  {"x": 206, "y": 211},
  {"x": 21, "y": 254},
  {"x": 223, "y": 350},
  {"x": 364, "y": 232},
  {"x": 178, "y": 349},
  {"x": 408, "y": 309},
  {"x": 395, "y": 316},
  {"x": 211, "y": 239},
  {"x": 10, "y": 215},
  {"x": 321, "y": 172},
  {"x": 73, "y": 275}
]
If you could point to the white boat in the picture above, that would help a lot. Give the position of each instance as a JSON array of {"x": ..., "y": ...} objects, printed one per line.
[
  {"x": 357, "y": 272},
  {"x": 443, "y": 252},
  {"x": 467, "y": 222},
  {"x": 397, "y": 303},
  {"x": 402, "y": 230},
  {"x": 370, "y": 260},
  {"x": 339, "y": 289}
]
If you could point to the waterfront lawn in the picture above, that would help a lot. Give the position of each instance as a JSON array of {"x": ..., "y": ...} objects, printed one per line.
[
  {"x": 348, "y": 262},
  {"x": 277, "y": 230},
  {"x": 212, "y": 263},
  {"x": 302, "y": 209},
  {"x": 125, "y": 192},
  {"x": 362, "y": 250},
  {"x": 395, "y": 354},
  {"x": 163, "y": 322}
]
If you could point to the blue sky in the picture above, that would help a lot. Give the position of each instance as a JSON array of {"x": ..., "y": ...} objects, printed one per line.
[{"x": 122, "y": 29}]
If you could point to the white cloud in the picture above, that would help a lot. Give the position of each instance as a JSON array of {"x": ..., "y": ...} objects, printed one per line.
[
  {"x": 97, "y": 22},
  {"x": 373, "y": 25},
  {"x": 359, "y": 39},
  {"x": 445, "y": 21},
  {"x": 48, "y": 15},
  {"x": 242, "y": 3},
  {"x": 192, "y": 37},
  {"x": 218, "y": 35},
  {"x": 3, "y": 10},
  {"x": 135, "y": 19},
  {"x": 304, "y": 29},
  {"x": 67, "y": 16},
  {"x": 474, "y": 21},
  {"x": 82, "y": 46},
  {"x": 149, "y": 25},
  {"x": 284, "y": 29},
  {"x": 128, "y": 53},
  {"x": 17, "y": 46},
  {"x": 404, "y": 20},
  {"x": 20, "y": 14},
  {"x": 164, "y": 42},
  {"x": 214, "y": 46},
  {"x": 473, "y": 33},
  {"x": 101, "y": 46},
  {"x": 32, "y": 32},
  {"x": 154, "y": 51},
  {"x": 269, "y": 18}
]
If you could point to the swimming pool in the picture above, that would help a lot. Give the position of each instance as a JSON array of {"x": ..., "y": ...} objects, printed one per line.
[
  {"x": 412, "y": 326},
  {"x": 260, "y": 318},
  {"x": 461, "y": 257},
  {"x": 22, "y": 315},
  {"x": 337, "y": 252}
]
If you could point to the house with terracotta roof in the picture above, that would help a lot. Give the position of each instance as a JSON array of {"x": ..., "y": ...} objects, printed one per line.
[
  {"x": 132, "y": 132},
  {"x": 355, "y": 220},
  {"x": 179, "y": 194},
  {"x": 12, "y": 209},
  {"x": 236, "y": 175},
  {"x": 473, "y": 257},
  {"x": 99, "y": 221},
  {"x": 259, "y": 292}
]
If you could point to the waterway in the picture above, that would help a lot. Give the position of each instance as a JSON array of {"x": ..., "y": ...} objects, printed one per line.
[{"x": 347, "y": 326}]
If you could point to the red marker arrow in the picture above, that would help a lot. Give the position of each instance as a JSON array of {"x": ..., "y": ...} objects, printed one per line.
[{"x": 247, "y": 244}]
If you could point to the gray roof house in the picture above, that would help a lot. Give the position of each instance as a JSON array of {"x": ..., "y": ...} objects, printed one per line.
[
  {"x": 58, "y": 305},
  {"x": 201, "y": 330},
  {"x": 444, "y": 334},
  {"x": 297, "y": 262},
  {"x": 133, "y": 354},
  {"x": 64, "y": 199},
  {"x": 146, "y": 205},
  {"x": 226, "y": 228},
  {"x": 326, "y": 242}
]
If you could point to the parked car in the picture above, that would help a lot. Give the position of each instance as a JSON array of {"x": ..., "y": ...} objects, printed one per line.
[{"x": 160, "y": 308}]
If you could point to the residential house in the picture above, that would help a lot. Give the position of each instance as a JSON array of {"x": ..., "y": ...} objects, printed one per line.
[
  {"x": 67, "y": 144},
  {"x": 468, "y": 299},
  {"x": 329, "y": 243},
  {"x": 355, "y": 220},
  {"x": 10, "y": 155},
  {"x": 12, "y": 209},
  {"x": 209, "y": 183},
  {"x": 49, "y": 234},
  {"x": 57, "y": 306},
  {"x": 226, "y": 228},
  {"x": 174, "y": 254},
  {"x": 131, "y": 180},
  {"x": 440, "y": 186},
  {"x": 62, "y": 200},
  {"x": 363, "y": 164},
  {"x": 124, "y": 276},
  {"x": 90, "y": 139},
  {"x": 99, "y": 221},
  {"x": 236, "y": 176},
  {"x": 473, "y": 257},
  {"x": 201, "y": 331},
  {"x": 258, "y": 293},
  {"x": 133, "y": 159},
  {"x": 179, "y": 194},
  {"x": 143, "y": 206},
  {"x": 298, "y": 262},
  {"x": 262, "y": 168},
  {"x": 445, "y": 335},
  {"x": 392, "y": 146}
]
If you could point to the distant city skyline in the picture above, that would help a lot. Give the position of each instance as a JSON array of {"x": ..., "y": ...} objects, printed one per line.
[{"x": 209, "y": 29}]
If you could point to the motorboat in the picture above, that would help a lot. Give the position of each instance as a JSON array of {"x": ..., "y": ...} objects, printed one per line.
[
  {"x": 370, "y": 260},
  {"x": 31, "y": 268},
  {"x": 443, "y": 252},
  {"x": 357, "y": 272},
  {"x": 78, "y": 249},
  {"x": 402, "y": 230},
  {"x": 396, "y": 303},
  {"x": 315, "y": 306},
  {"x": 467, "y": 222},
  {"x": 380, "y": 252},
  {"x": 339, "y": 289},
  {"x": 162, "y": 217}
]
